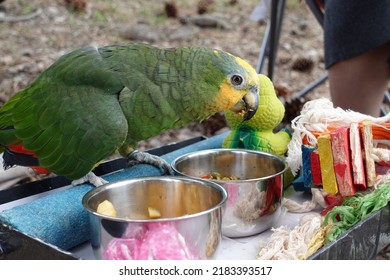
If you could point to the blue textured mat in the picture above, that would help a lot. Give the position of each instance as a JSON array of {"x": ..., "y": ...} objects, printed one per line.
[{"x": 59, "y": 218}]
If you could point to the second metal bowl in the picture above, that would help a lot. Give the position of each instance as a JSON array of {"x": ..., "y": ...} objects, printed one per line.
[{"x": 254, "y": 198}]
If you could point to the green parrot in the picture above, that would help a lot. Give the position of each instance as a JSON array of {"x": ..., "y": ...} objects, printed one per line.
[
  {"x": 258, "y": 132},
  {"x": 94, "y": 101}
]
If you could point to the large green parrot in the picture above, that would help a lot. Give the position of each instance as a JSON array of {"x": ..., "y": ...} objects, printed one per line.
[{"x": 95, "y": 101}]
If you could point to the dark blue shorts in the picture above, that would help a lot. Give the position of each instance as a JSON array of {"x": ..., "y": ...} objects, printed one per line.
[{"x": 353, "y": 27}]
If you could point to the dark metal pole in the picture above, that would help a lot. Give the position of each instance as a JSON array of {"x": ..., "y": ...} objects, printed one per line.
[{"x": 272, "y": 45}]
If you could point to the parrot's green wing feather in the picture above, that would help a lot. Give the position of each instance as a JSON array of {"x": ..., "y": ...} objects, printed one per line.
[
  {"x": 162, "y": 89},
  {"x": 70, "y": 120}
]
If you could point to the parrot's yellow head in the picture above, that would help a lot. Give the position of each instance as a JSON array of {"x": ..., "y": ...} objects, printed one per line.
[
  {"x": 239, "y": 86},
  {"x": 270, "y": 112}
]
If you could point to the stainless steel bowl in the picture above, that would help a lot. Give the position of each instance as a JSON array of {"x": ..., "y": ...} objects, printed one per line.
[
  {"x": 254, "y": 199},
  {"x": 189, "y": 226}
]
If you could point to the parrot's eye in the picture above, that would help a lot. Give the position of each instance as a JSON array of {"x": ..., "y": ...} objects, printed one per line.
[{"x": 236, "y": 80}]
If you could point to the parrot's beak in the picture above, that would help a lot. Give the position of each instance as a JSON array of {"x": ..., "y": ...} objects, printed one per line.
[{"x": 248, "y": 104}]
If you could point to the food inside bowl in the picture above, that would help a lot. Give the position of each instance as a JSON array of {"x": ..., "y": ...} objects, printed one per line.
[
  {"x": 153, "y": 213},
  {"x": 108, "y": 209},
  {"x": 217, "y": 176}
]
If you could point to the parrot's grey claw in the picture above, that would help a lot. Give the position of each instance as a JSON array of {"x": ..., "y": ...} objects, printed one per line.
[
  {"x": 137, "y": 157},
  {"x": 91, "y": 178}
]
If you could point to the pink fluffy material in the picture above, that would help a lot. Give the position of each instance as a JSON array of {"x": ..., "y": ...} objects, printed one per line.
[{"x": 157, "y": 241}]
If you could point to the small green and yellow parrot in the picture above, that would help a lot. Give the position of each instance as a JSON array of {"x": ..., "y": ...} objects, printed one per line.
[
  {"x": 258, "y": 132},
  {"x": 95, "y": 101}
]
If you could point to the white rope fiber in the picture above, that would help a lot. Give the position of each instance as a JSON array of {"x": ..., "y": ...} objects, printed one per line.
[
  {"x": 318, "y": 198},
  {"x": 291, "y": 244}
]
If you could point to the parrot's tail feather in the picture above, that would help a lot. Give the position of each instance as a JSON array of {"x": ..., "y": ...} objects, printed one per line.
[
  {"x": 6, "y": 165},
  {"x": 12, "y": 157},
  {"x": 17, "y": 155}
]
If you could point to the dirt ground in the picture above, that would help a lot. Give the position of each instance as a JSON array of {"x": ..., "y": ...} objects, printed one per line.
[{"x": 34, "y": 33}]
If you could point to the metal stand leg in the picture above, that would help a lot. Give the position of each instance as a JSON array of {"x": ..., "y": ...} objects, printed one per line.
[
  {"x": 264, "y": 50},
  {"x": 315, "y": 9},
  {"x": 311, "y": 86},
  {"x": 271, "y": 37}
]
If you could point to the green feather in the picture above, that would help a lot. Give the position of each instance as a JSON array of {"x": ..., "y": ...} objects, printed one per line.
[
  {"x": 7, "y": 137},
  {"x": 38, "y": 141},
  {"x": 28, "y": 131}
]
